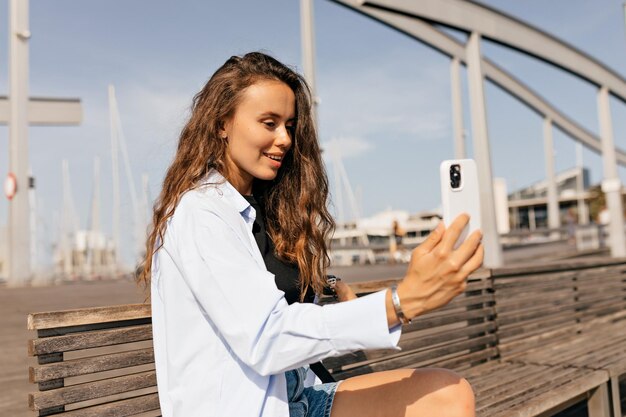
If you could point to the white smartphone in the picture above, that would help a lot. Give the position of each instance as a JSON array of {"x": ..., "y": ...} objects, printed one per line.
[{"x": 460, "y": 194}]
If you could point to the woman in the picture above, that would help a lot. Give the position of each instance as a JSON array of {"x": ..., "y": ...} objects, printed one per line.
[{"x": 238, "y": 251}]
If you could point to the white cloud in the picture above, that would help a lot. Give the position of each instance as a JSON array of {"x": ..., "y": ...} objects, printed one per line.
[
  {"x": 388, "y": 101},
  {"x": 346, "y": 147}
]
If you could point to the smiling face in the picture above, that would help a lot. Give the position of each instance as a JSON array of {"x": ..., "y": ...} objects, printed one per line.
[{"x": 259, "y": 133}]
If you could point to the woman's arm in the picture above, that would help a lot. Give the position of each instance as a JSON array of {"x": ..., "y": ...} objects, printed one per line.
[
  {"x": 435, "y": 275},
  {"x": 240, "y": 299}
]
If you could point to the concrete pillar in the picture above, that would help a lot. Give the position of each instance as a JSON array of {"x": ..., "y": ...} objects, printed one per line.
[
  {"x": 583, "y": 210},
  {"x": 491, "y": 240},
  {"x": 457, "y": 109},
  {"x": 611, "y": 184},
  {"x": 18, "y": 248},
  {"x": 307, "y": 31},
  {"x": 532, "y": 219},
  {"x": 554, "y": 220}
]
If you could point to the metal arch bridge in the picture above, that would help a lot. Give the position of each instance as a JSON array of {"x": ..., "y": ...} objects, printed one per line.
[{"x": 416, "y": 19}]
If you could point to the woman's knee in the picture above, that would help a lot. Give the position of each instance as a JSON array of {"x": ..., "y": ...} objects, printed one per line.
[{"x": 453, "y": 393}]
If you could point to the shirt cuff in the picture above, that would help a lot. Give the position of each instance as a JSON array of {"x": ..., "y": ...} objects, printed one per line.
[{"x": 361, "y": 324}]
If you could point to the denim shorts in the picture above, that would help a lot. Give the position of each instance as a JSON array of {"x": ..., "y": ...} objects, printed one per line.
[{"x": 314, "y": 401}]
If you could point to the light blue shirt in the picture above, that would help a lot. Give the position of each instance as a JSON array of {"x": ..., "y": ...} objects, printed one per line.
[{"x": 223, "y": 333}]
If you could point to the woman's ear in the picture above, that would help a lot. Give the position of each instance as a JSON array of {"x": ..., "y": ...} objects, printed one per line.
[{"x": 222, "y": 129}]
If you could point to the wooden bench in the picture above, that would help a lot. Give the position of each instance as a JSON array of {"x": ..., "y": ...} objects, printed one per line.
[
  {"x": 571, "y": 316},
  {"x": 465, "y": 336},
  {"x": 93, "y": 362},
  {"x": 99, "y": 361}
]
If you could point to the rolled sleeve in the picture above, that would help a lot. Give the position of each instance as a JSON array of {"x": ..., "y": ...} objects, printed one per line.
[{"x": 361, "y": 321}]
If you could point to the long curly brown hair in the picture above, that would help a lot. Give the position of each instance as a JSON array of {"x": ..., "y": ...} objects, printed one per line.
[{"x": 297, "y": 220}]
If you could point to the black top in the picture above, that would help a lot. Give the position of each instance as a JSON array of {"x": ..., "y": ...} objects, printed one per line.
[{"x": 286, "y": 275}]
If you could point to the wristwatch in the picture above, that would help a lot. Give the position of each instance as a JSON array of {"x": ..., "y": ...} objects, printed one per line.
[{"x": 331, "y": 283}]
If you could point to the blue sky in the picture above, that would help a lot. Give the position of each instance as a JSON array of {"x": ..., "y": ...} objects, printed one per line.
[{"x": 384, "y": 97}]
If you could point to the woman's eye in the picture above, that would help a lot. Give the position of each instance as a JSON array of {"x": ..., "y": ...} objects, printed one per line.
[{"x": 269, "y": 124}]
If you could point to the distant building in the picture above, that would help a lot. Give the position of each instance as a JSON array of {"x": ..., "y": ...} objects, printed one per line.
[
  {"x": 367, "y": 240},
  {"x": 86, "y": 254},
  {"x": 528, "y": 207}
]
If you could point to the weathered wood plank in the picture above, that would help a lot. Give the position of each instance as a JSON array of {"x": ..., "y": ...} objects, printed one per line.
[
  {"x": 407, "y": 360},
  {"x": 524, "y": 394},
  {"x": 89, "y": 340},
  {"x": 475, "y": 281},
  {"x": 91, "y": 390},
  {"x": 564, "y": 310},
  {"x": 91, "y": 365},
  {"x": 120, "y": 408},
  {"x": 528, "y": 269},
  {"x": 76, "y": 317},
  {"x": 538, "y": 403},
  {"x": 413, "y": 342}
]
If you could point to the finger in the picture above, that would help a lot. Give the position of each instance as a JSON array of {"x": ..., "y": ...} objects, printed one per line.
[
  {"x": 454, "y": 231},
  {"x": 465, "y": 252},
  {"x": 431, "y": 241},
  {"x": 475, "y": 261}
]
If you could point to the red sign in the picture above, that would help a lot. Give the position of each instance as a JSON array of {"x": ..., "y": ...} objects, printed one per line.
[{"x": 10, "y": 186}]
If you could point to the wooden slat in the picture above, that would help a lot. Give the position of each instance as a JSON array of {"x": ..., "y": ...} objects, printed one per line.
[
  {"x": 464, "y": 361},
  {"x": 91, "y": 390},
  {"x": 448, "y": 318},
  {"x": 122, "y": 408},
  {"x": 60, "y": 331},
  {"x": 413, "y": 342},
  {"x": 579, "y": 264},
  {"x": 47, "y": 320},
  {"x": 539, "y": 379},
  {"x": 91, "y": 365},
  {"x": 532, "y": 282},
  {"x": 565, "y": 310},
  {"x": 411, "y": 359},
  {"x": 475, "y": 281},
  {"x": 532, "y": 341},
  {"x": 538, "y": 403},
  {"x": 89, "y": 340},
  {"x": 542, "y": 301}
]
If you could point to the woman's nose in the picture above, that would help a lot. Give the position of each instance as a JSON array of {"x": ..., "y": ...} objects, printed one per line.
[{"x": 283, "y": 139}]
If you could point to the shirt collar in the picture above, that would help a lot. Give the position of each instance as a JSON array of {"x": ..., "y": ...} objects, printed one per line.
[{"x": 228, "y": 191}]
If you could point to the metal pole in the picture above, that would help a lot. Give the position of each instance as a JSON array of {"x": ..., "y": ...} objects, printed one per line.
[
  {"x": 491, "y": 240},
  {"x": 95, "y": 248},
  {"x": 611, "y": 185},
  {"x": 68, "y": 230},
  {"x": 307, "y": 30},
  {"x": 583, "y": 212},
  {"x": 18, "y": 250},
  {"x": 457, "y": 108},
  {"x": 116, "y": 181},
  {"x": 554, "y": 220},
  {"x": 32, "y": 202},
  {"x": 624, "y": 4}
]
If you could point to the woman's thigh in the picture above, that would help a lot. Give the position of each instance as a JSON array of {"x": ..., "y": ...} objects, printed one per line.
[{"x": 405, "y": 393}]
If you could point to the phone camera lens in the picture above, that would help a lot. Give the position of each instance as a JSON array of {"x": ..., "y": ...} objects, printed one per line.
[{"x": 455, "y": 176}]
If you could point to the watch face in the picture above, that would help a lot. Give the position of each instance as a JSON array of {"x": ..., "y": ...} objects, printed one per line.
[{"x": 331, "y": 280}]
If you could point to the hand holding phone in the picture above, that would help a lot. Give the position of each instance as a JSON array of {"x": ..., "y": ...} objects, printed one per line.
[{"x": 460, "y": 194}]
